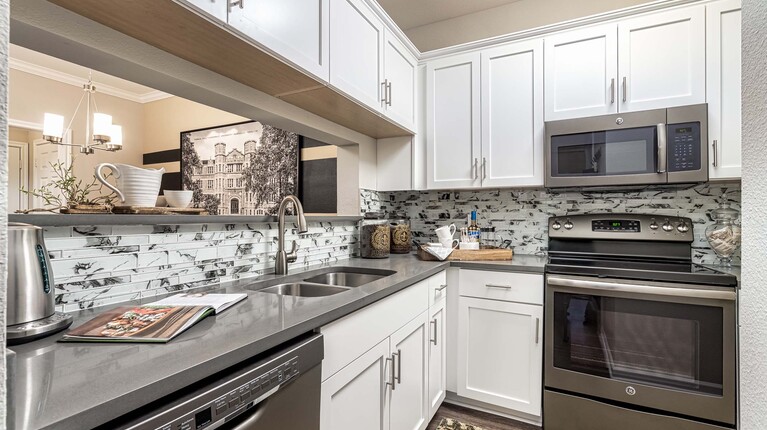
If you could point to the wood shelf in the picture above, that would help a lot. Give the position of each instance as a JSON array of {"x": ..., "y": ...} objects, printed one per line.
[{"x": 177, "y": 30}]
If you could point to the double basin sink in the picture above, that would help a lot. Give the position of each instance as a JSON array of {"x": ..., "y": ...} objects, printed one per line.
[{"x": 335, "y": 281}]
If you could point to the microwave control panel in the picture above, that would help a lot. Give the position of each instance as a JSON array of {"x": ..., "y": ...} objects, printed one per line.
[{"x": 684, "y": 147}]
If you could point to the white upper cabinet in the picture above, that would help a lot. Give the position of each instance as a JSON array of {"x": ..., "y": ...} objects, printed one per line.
[
  {"x": 356, "y": 52},
  {"x": 723, "y": 88},
  {"x": 581, "y": 73},
  {"x": 296, "y": 30},
  {"x": 399, "y": 82},
  {"x": 215, "y": 8},
  {"x": 662, "y": 59},
  {"x": 512, "y": 115},
  {"x": 453, "y": 124}
]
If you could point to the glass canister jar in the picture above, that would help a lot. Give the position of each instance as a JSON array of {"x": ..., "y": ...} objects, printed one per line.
[
  {"x": 374, "y": 235},
  {"x": 724, "y": 234},
  {"x": 401, "y": 236}
]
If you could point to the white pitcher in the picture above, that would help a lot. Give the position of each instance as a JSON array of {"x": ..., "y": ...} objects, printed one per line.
[{"x": 135, "y": 186}]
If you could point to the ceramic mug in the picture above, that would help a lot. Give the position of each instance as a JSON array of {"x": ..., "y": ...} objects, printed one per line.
[
  {"x": 449, "y": 243},
  {"x": 134, "y": 186},
  {"x": 445, "y": 233}
]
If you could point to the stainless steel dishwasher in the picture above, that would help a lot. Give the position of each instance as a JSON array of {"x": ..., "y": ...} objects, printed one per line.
[{"x": 279, "y": 391}]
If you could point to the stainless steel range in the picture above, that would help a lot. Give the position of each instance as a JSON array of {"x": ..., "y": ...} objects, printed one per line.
[{"x": 636, "y": 335}]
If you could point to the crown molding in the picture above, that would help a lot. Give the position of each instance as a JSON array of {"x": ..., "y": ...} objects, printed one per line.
[
  {"x": 552, "y": 28},
  {"x": 393, "y": 27},
  {"x": 77, "y": 81}
]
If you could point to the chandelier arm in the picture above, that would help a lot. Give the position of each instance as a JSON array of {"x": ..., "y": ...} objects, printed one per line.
[{"x": 69, "y": 126}]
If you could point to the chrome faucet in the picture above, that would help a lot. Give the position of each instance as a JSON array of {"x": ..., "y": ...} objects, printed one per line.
[{"x": 283, "y": 258}]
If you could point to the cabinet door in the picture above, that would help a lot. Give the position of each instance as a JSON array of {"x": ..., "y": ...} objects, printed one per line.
[
  {"x": 581, "y": 72},
  {"x": 662, "y": 60},
  {"x": 512, "y": 115},
  {"x": 296, "y": 30},
  {"x": 453, "y": 122},
  {"x": 399, "y": 76},
  {"x": 723, "y": 88},
  {"x": 214, "y": 8},
  {"x": 356, "y": 52},
  {"x": 409, "y": 397},
  {"x": 500, "y": 353},
  {"x": 437, "y": 356},
  {"x": 357, "y": 397}
]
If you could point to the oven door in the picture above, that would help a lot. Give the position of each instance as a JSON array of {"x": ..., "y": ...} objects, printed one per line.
[
  {"x": 625, "y": 149},
  {"x": 669, "y": 347}
]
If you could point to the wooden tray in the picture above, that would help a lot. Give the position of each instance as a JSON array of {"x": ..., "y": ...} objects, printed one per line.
[
  {"x": 139, "y": 210},
  {"x": 485, "y": 254}
]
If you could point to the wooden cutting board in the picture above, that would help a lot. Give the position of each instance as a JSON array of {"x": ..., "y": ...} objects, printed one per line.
[
  {"x": 487, "y": 254},
  {"x": 140, "y": 210}
]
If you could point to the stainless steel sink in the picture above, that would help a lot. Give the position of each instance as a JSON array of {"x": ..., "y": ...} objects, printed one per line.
[
  {"x": 304, "y": 289},
  {"x": 349, "y": 278}
]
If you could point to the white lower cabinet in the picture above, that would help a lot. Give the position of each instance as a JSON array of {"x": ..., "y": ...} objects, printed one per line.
[
  {"x": 437, "y": 356},
  {"x": 388, "y": 386}
]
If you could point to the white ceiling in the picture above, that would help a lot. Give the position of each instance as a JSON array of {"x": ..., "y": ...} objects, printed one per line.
[
  {"x": 39, "y": 64},
  {"x": 415, "y": 13}
]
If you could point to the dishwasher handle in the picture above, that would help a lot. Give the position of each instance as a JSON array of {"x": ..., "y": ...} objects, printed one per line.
[{"x": 257, "y": 410}]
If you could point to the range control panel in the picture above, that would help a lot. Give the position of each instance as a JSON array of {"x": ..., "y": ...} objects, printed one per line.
[
  {"x": 684, "y": 147},
  {"x": 622, "y": 226}
]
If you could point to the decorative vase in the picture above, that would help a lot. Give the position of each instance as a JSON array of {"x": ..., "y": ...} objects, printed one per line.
[{"x": 724, "y": 235}]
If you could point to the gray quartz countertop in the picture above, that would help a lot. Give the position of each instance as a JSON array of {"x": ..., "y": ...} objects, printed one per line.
[
  {"x": 61, "y": 220},
  {"x": 82, "y": 385}
]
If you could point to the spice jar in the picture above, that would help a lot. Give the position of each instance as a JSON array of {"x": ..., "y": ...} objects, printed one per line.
[
  {"x": 400, "y": 232},
  {"x": 487, "y": 238},
  {"x": 374, "y": 236},
  {"x": 724, "y": 235}
]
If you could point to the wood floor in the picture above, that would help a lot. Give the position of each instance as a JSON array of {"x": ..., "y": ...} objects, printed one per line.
[{"x": 477, "y": 418}]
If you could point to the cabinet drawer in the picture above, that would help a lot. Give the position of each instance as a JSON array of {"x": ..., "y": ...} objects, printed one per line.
[
  {"x": 351, "y": 336},
  {"x": 437, "y": 287},
  {"x": 506, "y": 286}
]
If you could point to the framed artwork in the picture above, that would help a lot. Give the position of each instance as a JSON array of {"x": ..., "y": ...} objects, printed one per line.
[{"x": 239, "y": 169}]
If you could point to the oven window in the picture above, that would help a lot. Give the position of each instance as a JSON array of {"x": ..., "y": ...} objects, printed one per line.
[
  {"x": 606, "y": 153},
  {"x": 669, "y": 345}
]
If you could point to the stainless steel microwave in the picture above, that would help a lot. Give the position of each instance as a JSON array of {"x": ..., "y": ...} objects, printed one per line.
[{"x": 661, "y": 146}]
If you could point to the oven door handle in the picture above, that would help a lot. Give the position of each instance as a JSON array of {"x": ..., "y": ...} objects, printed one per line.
[
  {"x": 641, "y": 289},
  {"x": 662, "y": 158}
]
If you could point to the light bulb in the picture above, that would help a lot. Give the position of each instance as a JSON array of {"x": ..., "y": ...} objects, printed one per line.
[
  {"x": 53, "y": 126},
  {"x": 102, "y": 126}
]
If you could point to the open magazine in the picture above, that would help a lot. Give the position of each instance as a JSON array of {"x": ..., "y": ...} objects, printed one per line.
[{"x": 159, "y": 321}]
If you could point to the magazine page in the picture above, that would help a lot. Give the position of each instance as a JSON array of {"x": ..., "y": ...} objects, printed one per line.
[
  {"x": 219, "y": 302},
  {"x": 149, "y": 323}
]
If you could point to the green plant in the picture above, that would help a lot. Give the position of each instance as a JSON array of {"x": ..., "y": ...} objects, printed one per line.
[{"x": 67, "y": 191}]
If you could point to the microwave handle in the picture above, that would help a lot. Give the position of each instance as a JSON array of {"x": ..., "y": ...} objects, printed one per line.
[{"x": 662, "y": 160}]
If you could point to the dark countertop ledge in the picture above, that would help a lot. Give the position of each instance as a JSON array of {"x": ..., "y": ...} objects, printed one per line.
[
  {"x": 67, "y": 220},
  {"x": 91, "y": 384}
]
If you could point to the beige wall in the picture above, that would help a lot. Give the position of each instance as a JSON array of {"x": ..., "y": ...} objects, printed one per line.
[
  {"x": 510, "y": 18},
  {"x": 30, "y": 96},
  {"x": 165, "y": 119}
]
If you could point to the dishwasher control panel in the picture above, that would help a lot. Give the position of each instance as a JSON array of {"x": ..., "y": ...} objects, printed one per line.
[{"x": 233, "y": 400}]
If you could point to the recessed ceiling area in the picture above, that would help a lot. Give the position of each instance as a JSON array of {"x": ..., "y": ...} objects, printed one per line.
[{"x": 410, "y": 14}]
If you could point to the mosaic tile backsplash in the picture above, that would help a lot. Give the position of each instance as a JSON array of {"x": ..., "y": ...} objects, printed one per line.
[
  {"x": 520, "y": 215},
  {"x": 100, "y": 265}
]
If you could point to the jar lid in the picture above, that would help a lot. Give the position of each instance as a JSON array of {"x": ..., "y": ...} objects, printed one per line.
[
  {"x": 487, "y": 229},
  {"x": 375, "y": 215},
  {"x": 725, "y": 213}
]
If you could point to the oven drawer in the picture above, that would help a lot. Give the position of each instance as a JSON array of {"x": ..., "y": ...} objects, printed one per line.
[
  {"x": 566, "y": 412},
  {"x": 505, "y": 286}
]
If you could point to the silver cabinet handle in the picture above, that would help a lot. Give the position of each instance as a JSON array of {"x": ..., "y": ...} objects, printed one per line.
[
  {"x": 384, "y": 85},
  {"x": 624, "y": 89},
  {"x": 537, "y": 329},
  {"x": 484, "y": 168},
  {"x": 505, "y": 287},
  {"x": 390, "y": 382},
  {"x": 661, "y": 148},
  {"x": 439, "y": 289},
  {"x": 398, "y": 378},
  {"x": 716, "y": 153},
  {"x": 434, "y": 330},
  {"x": 388, "y": 94},
  {"x": 240, "y": 3},
  {"x": 476, "y": 169},
  {"x": 612, "y": 90}
]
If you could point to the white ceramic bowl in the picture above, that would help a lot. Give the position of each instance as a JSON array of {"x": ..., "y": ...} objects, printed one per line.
[{"x": 178, "y": 199}]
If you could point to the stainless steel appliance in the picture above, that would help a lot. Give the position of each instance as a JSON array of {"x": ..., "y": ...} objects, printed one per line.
[
  {"x": 278, "y": 390},
  {"x": 636, "y": 335},
  {"x": 662, "y": 146},
  {"x": 31, "y": 309}
]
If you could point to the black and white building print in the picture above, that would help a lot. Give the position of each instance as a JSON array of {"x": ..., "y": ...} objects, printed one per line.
[{"x": 239, "y": 169}]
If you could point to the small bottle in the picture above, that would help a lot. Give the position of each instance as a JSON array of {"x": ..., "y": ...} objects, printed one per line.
[{"x": 474, "y": 230}]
